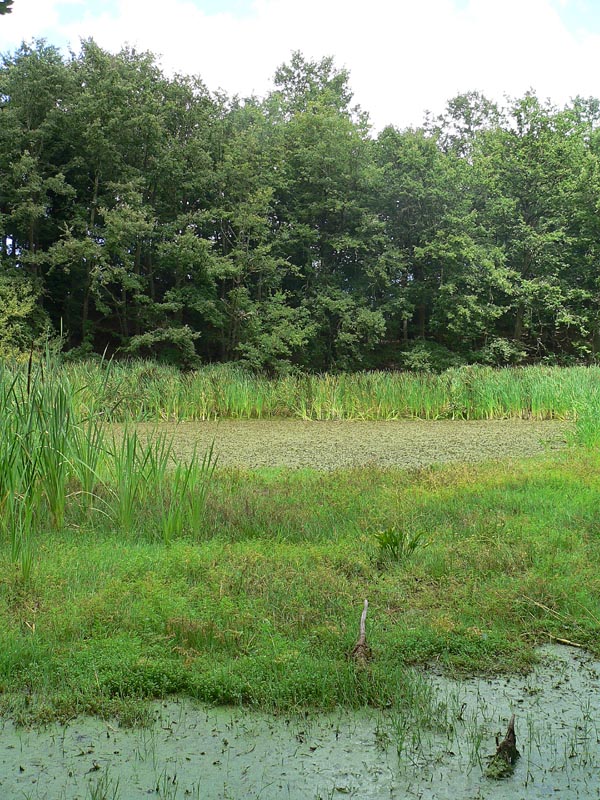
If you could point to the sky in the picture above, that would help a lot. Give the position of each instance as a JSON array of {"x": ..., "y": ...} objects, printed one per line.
[{"x": 404, "y": 56}]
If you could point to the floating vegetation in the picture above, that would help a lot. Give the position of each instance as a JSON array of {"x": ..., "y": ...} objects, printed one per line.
[
  {"x": 210, "y": 753},
  {"x": 407, "y": 444}
]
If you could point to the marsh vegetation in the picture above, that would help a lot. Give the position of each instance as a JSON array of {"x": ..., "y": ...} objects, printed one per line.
[
  {"x": 130, "y": 572},
  {"x": 145, "y": 391}
]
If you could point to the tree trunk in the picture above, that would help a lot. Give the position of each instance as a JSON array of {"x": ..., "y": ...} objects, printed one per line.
[
  {"x": 519, "y": 319},
  {"x": 502, "y": 763}
]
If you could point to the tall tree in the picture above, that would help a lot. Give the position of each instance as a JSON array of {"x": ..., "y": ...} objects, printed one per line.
[
  {"x": 532, "y": 162},
  {"x": 326, "y": 227}
]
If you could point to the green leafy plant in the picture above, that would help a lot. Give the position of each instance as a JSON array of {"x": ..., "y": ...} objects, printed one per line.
[
  {"x": 182, "y": 495},
  {"x": 587, "y": 425},
  {"x": 18, "y": 520},
  {"x": 128, "y": 468},
  {"x": 396, "y": 546}
]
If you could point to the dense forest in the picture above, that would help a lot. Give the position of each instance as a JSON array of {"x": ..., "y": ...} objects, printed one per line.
[{"x": 142, "y": 214}]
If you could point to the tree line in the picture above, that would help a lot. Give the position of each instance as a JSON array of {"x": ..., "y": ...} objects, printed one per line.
[{"x": 142, "y": 214}]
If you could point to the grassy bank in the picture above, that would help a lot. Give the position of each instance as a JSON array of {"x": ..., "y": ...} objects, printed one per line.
[
  {"x": 126, "y": 575},
  {"x": 146, "y": 391},
  {"x": 465, "y": 568}
]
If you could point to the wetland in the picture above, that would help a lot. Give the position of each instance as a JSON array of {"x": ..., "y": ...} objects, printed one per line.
[
  {"x": 183, "y": 627},
  {"x": 330, "y": 445},
  {"x": 194, "y": 751}
]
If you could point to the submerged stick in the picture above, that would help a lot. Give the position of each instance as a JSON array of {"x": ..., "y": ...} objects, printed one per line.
[
  {"x": 361, "y": 652},
  {"x": 502, "y": 763}
]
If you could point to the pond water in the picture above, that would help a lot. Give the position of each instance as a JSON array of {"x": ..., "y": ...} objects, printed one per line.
[
  {"x": 330, "y": 445},
  {"x": 219, "y": 754}
]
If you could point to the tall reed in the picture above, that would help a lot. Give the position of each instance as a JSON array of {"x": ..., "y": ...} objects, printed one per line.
[
  {"x": 148, "y": 487},
  {"x": 142, "y": 390},
  {"x": 181, "y": 497},
  {"x": 56, "y": 460},
  {"x": 587, "y": 426}
]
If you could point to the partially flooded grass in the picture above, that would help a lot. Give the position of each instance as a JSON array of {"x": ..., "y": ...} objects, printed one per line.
[
  {"x": 440, "y": 748},
  {"x": 259, "y": 605}
]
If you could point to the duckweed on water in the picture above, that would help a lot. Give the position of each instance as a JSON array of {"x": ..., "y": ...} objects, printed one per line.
[
  {"x": 400, "y": 444},
  {"x": 226, "y": 754}
]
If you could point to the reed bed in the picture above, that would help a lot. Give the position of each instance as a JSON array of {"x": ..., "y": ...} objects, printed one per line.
[
  {"x": 59, "y": 466},
  {"x": 145, "y": 391},
  {"x": 62, "y": 465}
]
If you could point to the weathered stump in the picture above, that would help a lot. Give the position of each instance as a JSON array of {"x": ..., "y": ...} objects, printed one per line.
[{"x": 502, "y": 763}]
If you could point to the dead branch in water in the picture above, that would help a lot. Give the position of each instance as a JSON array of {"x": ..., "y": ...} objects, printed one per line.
[{"x": 361, "y": 652}]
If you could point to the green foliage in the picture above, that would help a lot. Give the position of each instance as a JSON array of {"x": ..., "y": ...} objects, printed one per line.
[
  {"x": 501, "y": 353},
  {"x": 23, "y": 323},
  {"x": 397, "y": 546},
  {"x": 302, "y": 85},
  {"x": 168, "y": 345},
  {"x": 191, "y": 227},
  {"x": 275, "y": 335},
  {"x": 429, "y": 357}
]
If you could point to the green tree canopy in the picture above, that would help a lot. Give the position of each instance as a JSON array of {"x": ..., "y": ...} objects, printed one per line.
[{"x": 141, "y": 213}]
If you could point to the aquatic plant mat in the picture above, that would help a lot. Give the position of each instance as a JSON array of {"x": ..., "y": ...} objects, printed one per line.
[
  {"x": 333, "y": 445},
  {"x": 190, "y": 751}
]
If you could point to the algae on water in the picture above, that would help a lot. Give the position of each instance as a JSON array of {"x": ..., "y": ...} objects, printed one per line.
[
  {"x": 225, "y": 753},
  {"x": 331, "y": 445}
]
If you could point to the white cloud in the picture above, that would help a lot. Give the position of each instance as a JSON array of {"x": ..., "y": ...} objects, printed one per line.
[
  {"x": 405, "y": 56},
  {"x": 27, "y": 19}
]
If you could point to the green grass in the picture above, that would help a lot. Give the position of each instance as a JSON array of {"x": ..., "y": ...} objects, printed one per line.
[
  {"x": 126, "y": 576},
  {"x": 261, "y": 605}
]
